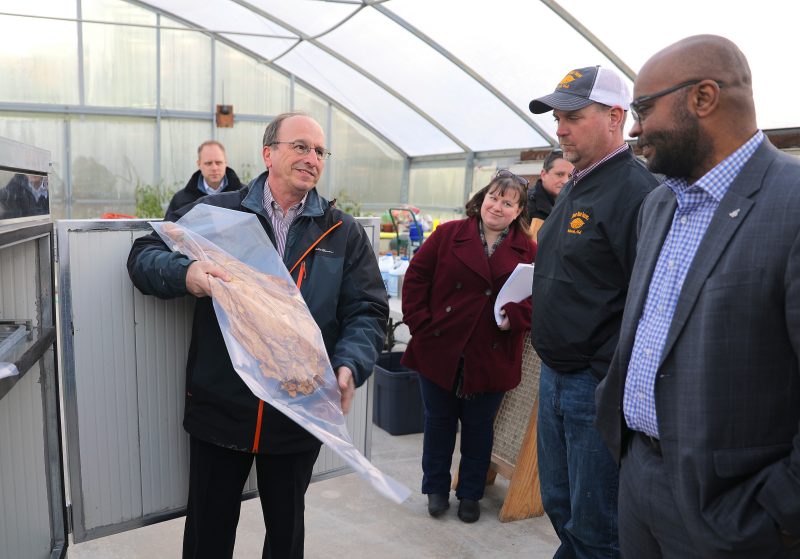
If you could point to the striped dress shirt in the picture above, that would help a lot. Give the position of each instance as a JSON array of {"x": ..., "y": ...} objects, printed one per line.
[{"x": 281, "y": 221}]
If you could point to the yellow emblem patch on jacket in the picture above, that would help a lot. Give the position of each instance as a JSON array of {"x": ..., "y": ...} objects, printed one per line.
[{"x": 578, "y": 220}]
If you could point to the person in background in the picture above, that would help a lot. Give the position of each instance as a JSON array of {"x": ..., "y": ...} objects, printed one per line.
[
  {"x": 701, "y": 404},
  {"x": 586, "y": 251},
  {"x": 465, "y": 359},
  {"x": 541, "y": 198},
  {"x": 23, "y": 196},
  {"x": 212, "y": 177},
  {"x": 229, "y": 427}
]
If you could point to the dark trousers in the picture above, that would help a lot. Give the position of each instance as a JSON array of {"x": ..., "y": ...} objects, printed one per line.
[
  {"x": 216, "y": 479},
  {"x": 578, "y": 476},
  {"x": 443, "y": 411},
  {"x": 649, "y": 523}
]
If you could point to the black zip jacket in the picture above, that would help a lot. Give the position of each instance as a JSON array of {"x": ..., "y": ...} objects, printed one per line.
[
  {"x": 540, "y": 203},
  {"x": 344, "y": 292},
  {"x": 586, "y": 251},
  {"x": 192, "y": 192}
]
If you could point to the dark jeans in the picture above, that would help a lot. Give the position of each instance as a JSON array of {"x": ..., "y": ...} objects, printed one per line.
[
  {"x": 216, "y": 480},
  {"x": 443, "y": 410},
  {"x": 579, "y": 479}
]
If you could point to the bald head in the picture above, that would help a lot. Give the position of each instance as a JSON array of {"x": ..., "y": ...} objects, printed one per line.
[
  {"x": 707, "y": 57},
  {"x": 693, "y": 103},
  {"x": 703, "y": 56}
]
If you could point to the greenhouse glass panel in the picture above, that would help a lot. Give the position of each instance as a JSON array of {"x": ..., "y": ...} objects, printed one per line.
[
  {"x": 45, "y": 133},
  {"x": 364, "y": 170},
  {"x": 764, "y": 49},
  {"x": 263, "y": 47},
  {"x": 523, "y": 49},
  {"x": 45, "y": 8},
  {"x": 183, "y": 87},
  {"x": 243, "y": 148},
  {"x": 119, "y": 61},
  {"x": 250, "y": 86},
  {"x": 484, "y": 170},
  {"x": 110, "y": 157},
  {"x": 438, "y": 186},
  {"x": 311, "y": 17},
  {"x": 220, "y": 16},
  {"x": 116, "y": 11},
  {"x": 313, "y": 104},
  {"x": 179, "y": 142},
  {"x": 402, "y": 126},
  {"x": 436, "y": 85},
  {"x": 39, "y": 60}
]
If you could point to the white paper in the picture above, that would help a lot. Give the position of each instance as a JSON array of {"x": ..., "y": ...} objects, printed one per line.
[{"x": 518, "y": 287}]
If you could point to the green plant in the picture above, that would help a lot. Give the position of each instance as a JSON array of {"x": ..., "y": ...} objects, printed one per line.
[
  {"x": 247, "y": 172},
  {"x": 152, "y": 199},
  {"x": 347, "y": 204}
]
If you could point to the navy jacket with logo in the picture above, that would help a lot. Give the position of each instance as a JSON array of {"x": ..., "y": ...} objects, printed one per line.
[
  {"x": 342, "y": 287},
  {"x": 586, "y": 251}
]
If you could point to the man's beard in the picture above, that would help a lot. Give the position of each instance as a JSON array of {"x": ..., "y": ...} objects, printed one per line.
[{"x": 681, "y": 151}]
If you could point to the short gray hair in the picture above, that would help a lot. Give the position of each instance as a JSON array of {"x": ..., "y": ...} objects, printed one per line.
[{"x": 271, "y": 133}]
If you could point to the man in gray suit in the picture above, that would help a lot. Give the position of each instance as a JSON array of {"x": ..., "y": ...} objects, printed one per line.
[{"x": 702, "y": 401}]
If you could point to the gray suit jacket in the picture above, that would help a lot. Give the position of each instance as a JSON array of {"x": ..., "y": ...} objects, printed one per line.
[{"x": 728, "y": 385}]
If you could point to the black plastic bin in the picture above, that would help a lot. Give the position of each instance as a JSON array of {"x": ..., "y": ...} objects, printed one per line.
[{"x": 397, "y": 407}]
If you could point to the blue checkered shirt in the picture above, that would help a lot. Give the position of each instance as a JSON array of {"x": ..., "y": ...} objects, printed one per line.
[{"x": 696, "y": 206}]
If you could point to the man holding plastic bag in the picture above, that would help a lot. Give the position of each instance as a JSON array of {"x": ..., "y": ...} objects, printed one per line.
[{"x": 331, "y": 261}]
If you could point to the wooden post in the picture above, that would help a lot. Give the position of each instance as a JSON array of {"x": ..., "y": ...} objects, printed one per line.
[
  {"x": 523, "y": 499},
  {"x": 514, "y": 455}
]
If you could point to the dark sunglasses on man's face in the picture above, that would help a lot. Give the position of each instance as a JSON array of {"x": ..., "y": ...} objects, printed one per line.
[{"x": 506, "y": 174}]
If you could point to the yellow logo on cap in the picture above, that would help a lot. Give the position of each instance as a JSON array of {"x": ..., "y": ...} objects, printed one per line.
[
  {"x": 578, "y": 220},
  {"x": 571, "y": 77}
]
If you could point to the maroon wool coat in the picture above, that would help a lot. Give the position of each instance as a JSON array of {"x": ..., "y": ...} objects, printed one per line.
[{"x": 449, "y": 292}]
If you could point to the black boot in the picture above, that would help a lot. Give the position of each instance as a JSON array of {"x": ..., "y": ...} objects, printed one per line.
[
  {"x": 438, "y": 503},
  {"x": 469, "y": 511}
]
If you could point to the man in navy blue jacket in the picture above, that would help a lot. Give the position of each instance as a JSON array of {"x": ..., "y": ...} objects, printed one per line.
[{"x": 334, "y": 265}]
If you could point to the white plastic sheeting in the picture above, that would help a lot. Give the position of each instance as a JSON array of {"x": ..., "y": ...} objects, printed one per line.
[
  {"x": 452, "y": 76},
  {"x": 423, "y": 101}
]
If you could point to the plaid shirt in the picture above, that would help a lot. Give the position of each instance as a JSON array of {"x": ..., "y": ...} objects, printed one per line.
[
  {"x": 697, "y": 204},
  {"x": 281, "y": 221},
  {"x": 489, "y": 250},
  {"x": 578, "y": 175}
]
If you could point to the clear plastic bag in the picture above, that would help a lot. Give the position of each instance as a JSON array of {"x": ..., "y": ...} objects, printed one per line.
[{"x": 274, "y": 343}]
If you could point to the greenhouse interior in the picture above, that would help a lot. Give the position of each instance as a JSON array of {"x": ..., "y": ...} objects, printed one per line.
[{"x": 421, "y": 103}]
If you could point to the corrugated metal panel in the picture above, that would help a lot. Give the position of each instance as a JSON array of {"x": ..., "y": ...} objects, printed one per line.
[
  {"x": 18, "y": 281},
  {"x": 105, "y": 378},
  {"x": 24, "y": 508},
  {"x": 163, "y": 332},
  {"x": 125, "y": 374}
]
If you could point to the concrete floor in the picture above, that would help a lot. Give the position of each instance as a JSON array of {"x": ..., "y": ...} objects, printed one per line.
[{"x": 346, "y": 518}]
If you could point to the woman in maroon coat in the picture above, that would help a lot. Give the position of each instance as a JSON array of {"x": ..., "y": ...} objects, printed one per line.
[{"x": 466, "y": 361}]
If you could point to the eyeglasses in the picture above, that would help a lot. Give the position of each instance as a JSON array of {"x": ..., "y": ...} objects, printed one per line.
[
  {"x": 301, "y": 149},
  {"x": 506, "y": 174},
  {"x": 639, "y": 105}
]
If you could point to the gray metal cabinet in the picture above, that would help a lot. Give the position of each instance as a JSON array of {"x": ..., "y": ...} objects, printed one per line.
[
  {"x": 123, "y": 361},
  {"x": 32, "y": 511}
]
